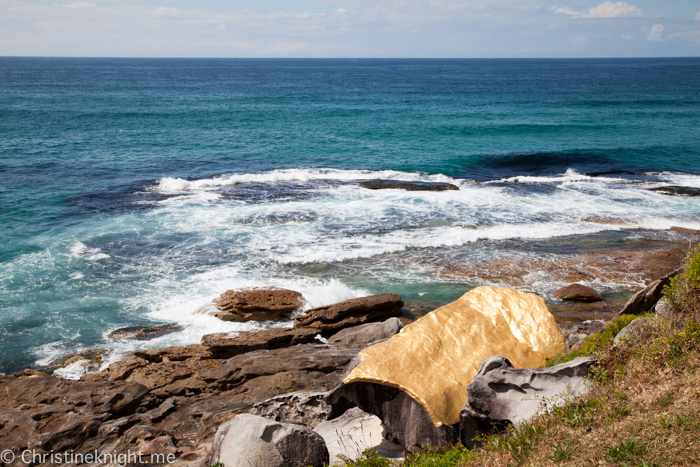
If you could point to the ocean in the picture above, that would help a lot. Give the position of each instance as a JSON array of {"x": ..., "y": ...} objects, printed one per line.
[{"x": 133, "y": 191}]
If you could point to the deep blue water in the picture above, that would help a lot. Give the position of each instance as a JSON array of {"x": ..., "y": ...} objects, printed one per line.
[{"x": 135, "y": 190}]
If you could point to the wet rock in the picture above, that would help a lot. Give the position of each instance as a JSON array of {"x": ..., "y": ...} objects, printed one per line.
[
  {"x": 30, "y": 372},
  {"x": 500, "y": 395},
  {"x": 628, "y": 264},
  {"x": 301, "y": 408},
  {"x": 256, "y": 304},
  {"x": 627, "y": 333},
  {"x": 677, "y": 190},
  {"x": 409, "y": 186},
  {"x": 222, "y": 346},
  {"x": 349, "y": 435},
  {"x": 577, "y": 293},
  {"x": 367, "y": 333},
  {"x": 251, "y": 440},
  {"x": 351, "y": 312},
  {"x": 646, "y": 299},
  {"x": 407, "y": 422},
  {"x": 142, "y": 333},
  {"x": 92, "y": 357},
  {"x": 686, "y": 231}
]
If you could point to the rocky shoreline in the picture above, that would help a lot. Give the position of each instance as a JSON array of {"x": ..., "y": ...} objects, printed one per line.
[{"x": 172, "y": 401}]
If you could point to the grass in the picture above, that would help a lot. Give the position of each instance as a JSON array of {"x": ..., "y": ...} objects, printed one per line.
[{"x": 643, "y": 409}]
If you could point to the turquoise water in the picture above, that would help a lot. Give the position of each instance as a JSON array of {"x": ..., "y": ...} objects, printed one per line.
[{"x": 133, "y": 191}]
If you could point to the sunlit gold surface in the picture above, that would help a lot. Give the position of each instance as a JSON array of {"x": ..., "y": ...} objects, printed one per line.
[{"x": 434, "y": 359}]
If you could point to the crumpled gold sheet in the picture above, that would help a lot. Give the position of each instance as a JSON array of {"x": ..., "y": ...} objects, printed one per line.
[{"x": 434, "y": 359}]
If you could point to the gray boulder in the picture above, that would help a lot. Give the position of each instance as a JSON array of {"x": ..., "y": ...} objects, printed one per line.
[
  {"x": 500, "y": 395},
  {"x": 349, "y": 435},
  {"x": 628, "y": 331},
  {"x": 663, "y": 308},
  {"x": 248, "y": 440},
  {"x": 367, "y": 333}
]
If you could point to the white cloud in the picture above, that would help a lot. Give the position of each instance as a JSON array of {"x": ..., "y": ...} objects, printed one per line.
[
  {"x": 614, "y": 10},
  {"x": 77, "y": 5},
  {"x": 565, "y": 10},
  {"x": 604, "y": 10},
  {"x": 697, "y": 17},
  {"x": 657, "y": 33},
  {"x": 341, "y": 10}
]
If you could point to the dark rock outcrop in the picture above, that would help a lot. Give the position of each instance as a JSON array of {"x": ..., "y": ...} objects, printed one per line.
[
  {"x": 407, "y": 422},
  {"x": 500, "y": 395},
  {"x": 222, "y": 346},
  {"x": 577, "y": 293},
  {"x": 256, "y": 304},
  {"x": 677, "y": 190},
  {"x": 248, "y": 440},
  {"x": 367, "y": 333},
  {"x": 647, "y": 298},
  {"x": 409, "y": 186},
  {"x": 142, "y": 333},
  {"x": 351, "y": 312}
]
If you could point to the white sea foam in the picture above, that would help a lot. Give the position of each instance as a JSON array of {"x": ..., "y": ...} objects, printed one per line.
[
  {"x": 79, "y": 250},
  {"x": 177, "y": 257},
  {"x": 176, "y": 185}
]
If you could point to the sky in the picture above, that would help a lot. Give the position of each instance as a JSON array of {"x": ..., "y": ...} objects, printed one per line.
[{"x": 350, "y": 28}]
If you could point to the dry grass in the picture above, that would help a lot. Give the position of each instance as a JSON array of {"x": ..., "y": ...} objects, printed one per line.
[{"x": 644, "y": 410}]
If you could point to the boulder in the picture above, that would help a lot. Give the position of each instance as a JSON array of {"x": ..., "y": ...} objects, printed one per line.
[
  {"x": 500, "y": 394},
  {"x": 646, "y": 299},
  {"x": 434, "y": 359},
  {"x": 409, "y": 186},
  {"x": 367, "y": 333},
  {"x": 223, "y": 345},
  {"x": 142, "y": 333},
  {"x": 351, "y": 312},
  {"x": 577, "y": 293},
  {"x": 677, "y": 190},
  {"x": 407, "y": 422},
  {"x": 248, "y": 440},
  {"x": 663, "y": 308},
  {"x": 255, "y": 304},
  {"x": 349, "y": 435},
  {"x": 628, "y": 331}
]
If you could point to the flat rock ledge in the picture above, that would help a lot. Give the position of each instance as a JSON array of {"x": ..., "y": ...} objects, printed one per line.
[
  {"x": 408, "y": 186},
  {"x": 351, "y": 312},
  {"x": 223, "y": 345},
  {"x": 256, "y": 304}
]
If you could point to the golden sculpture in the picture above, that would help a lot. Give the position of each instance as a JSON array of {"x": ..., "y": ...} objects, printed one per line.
[{"x": 434, "y": 359}]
